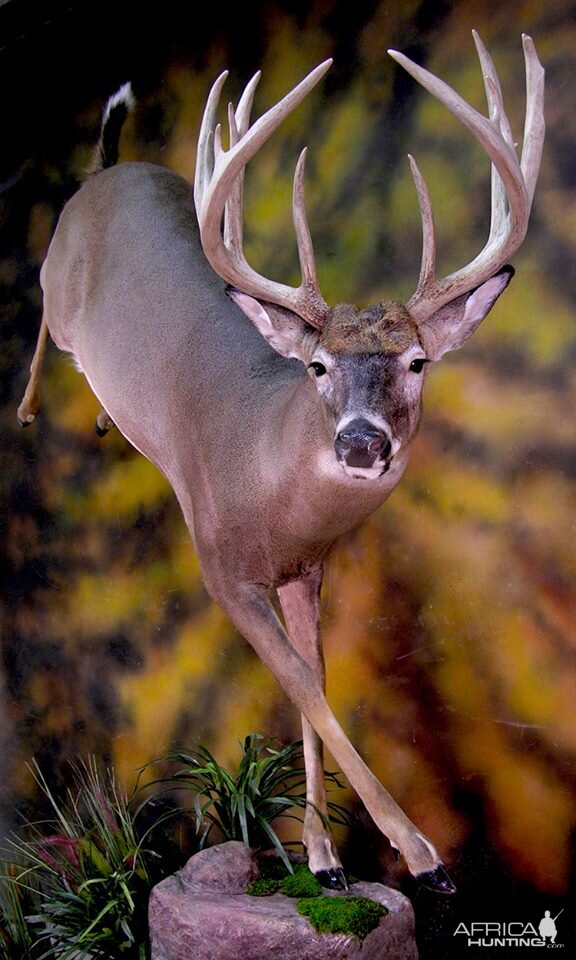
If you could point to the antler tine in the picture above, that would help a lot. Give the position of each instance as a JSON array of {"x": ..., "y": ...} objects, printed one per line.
[
  {"x": 534, "y": 126},
  {"x": 218, "y": 188},
  {"x": 493, "y": 89},
  {"x": 498, "y": 117},
  {"x": 513, "y": 182},
  {"x": 205, "y": 148},
  {"x": 305, "y": 247},
  {"x": 428, "y": 266},
  {"x": 239, "y": 123}
]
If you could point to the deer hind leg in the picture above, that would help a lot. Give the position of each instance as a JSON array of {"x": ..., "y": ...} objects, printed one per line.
[
  {"x": 250, "y": 609},
  {"x": 28, "y": 409},
  {"x": 300, "y": 601}
]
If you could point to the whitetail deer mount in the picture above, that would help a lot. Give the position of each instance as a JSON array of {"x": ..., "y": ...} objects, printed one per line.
[{"x": 280, "y": 422}]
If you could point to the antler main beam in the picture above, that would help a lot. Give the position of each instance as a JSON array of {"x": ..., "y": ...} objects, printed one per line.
[
  {"x": 218, "y": 191},
  {"x": 513, "y": 181}
]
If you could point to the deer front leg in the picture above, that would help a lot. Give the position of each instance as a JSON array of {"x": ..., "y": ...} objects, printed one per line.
[
  {"x": 250, "y": 609},
  {"x": 300, "y": 601}
]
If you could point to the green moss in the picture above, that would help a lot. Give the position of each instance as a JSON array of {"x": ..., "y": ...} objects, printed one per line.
[
  {"x": 275, "y": 879},
  {"x": 263, "y": 887},
  {"x": 302, "y": 883},
  {"x": 352, "y": 916}
]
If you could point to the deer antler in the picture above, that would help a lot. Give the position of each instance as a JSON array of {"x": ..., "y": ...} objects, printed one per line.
[
  {"x": 218, "y": 190},
  {"x": 513, "y": 181}
]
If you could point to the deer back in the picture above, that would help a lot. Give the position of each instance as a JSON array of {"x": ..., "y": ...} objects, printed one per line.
[{"x": 128, "y": 291}]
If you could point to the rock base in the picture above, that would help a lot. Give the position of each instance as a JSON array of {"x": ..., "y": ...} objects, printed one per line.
[{"x": 204, "y": 913}]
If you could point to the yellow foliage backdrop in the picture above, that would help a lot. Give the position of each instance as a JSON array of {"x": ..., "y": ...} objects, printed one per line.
[{"x": 449, "y": 618}]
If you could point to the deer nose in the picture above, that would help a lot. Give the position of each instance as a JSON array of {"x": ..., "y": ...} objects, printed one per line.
[{"x": 361, "y": 444}]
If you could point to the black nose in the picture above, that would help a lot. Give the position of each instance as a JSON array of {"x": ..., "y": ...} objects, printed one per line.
[{"x": 361, "y": 444}]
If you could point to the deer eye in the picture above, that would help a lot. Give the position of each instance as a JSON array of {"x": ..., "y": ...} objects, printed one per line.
[
  {"x": 418, "y": 365},
  {"x": 318, "y": 368}
]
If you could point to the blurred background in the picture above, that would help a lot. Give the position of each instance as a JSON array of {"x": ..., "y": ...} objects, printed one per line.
[{"x": 449, "y": 617}]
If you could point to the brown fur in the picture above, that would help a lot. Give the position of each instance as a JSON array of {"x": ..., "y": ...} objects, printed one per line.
[{"x": 384, "y": 328}]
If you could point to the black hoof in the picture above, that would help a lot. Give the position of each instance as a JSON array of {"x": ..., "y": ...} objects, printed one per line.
[
  {"x": 104, "y": 423},
  {"x": 27, "y": 420},
  {"x": 436, "y": 880},
  {"x": 332, "y": 879}
]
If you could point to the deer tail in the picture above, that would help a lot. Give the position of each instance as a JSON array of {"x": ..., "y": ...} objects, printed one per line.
[{"x": 116, "y": 110}]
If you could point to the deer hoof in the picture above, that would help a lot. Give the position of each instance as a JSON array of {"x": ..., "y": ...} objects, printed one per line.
[
  {"x": 25, "y": 414},
  {"x": 103, "y": 424},
  {"x": 333, "y": 879},
  {"x": 437, "y": 880}
]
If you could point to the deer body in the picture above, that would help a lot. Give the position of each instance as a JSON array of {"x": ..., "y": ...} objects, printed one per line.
[
  {"x": 210, "y": 389},
  {"x": 279, "y": 422}
]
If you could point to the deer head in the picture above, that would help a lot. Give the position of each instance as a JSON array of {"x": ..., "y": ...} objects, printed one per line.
[{"x": 368, "y": 365}]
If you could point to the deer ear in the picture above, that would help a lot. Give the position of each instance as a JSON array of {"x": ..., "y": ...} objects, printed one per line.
[
  {"x": 451, "y": 325},
  {"x": 286, "y": 332}
]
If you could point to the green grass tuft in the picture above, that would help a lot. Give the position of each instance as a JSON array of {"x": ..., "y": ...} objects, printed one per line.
[
  {"x": 79, "y": 882},
  {"x": 352, "y": 916},
  {"x": 270, "y": 783}
]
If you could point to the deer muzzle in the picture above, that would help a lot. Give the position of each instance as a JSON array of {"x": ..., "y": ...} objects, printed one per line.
[{"x": 363, "y": 446}]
